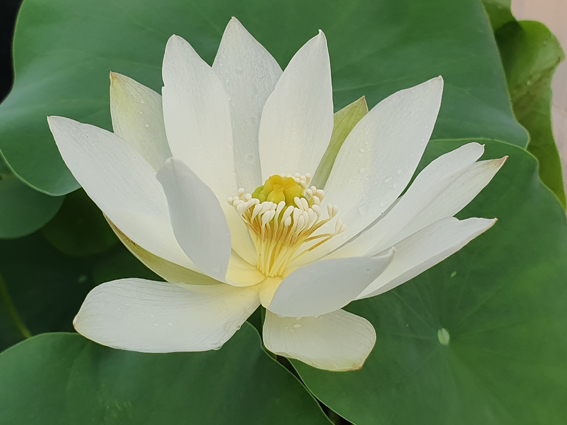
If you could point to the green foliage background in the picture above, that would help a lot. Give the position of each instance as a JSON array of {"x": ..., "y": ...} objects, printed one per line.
[{"x": 501, "y": 299}]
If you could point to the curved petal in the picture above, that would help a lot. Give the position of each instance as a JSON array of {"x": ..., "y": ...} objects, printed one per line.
[
  {"x": 122, "y": 184},
  {"x": 432, "y": 181},
  {"x": 249, "y": 74},
  {"x": 197, "y": 117},
  {"x": 166, "y": 269},
  {"x": 242, "y": 273},
  {"x": 424, "y": 249},
  {"x": 378, "y": 159},
  {"x": 326, "y": 285},
  {"x": 338, "y": 341},
  {"x": 297, "y": 120},
  {"x": 198, "y": 220},
  {"x": 137, "y": 117},
  {"x": 453, "y": 199},
  {"x": 160, "y": 317}
]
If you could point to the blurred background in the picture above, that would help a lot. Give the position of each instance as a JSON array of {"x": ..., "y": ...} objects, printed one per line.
[{"x": 553, "y": 13}]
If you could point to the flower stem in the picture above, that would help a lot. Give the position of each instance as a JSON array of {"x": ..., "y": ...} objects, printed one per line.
[{"x": 11, "y": 310}]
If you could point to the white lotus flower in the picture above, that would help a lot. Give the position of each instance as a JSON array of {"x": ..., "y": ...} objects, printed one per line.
[{"x": 164, "y": 176}]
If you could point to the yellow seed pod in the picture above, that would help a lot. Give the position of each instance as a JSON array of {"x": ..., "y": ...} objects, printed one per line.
[{"x": 277, "y": 189}]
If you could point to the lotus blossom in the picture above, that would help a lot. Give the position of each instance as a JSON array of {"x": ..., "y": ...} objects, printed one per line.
[{"x": 213, "y": 185}]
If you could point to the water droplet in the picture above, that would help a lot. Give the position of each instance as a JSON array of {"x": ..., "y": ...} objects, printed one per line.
[
  {"x": 217, "y": 348},
  {"x": 156, "y": 325},
  {"x": 143, "y": 101},
  {"x": 169, "y": 324},
  {"x": 147, "y": 125},
  {"x": 363, "y": 210},
  {"x": 140, "y": 112},
  {"x": 362, "y": 170},
  {"x": 362, "y": 150},
  {"x": 443, "y": 336},
  {"x": 82, "y": 278},
  {"x": 399, "y": 171},
  {"x": 454, "y": 274},
  {"x": 297, "y": 325},
  {"x": 388, "y": 179},
  {"x": 395, "y": 185}
]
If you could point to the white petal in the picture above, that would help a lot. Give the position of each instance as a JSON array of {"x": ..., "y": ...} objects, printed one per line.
[
  {"x": 424, "y": 249},
  {"x": 297, "y": 121},
  {"x": 198, "y": 220},
  {"x": 242, "y": 273},
  {"x": 198, "y": 125},
  {"x": 161, "y": 317},
  {"x": 378, "y": 159},
  {"x": 457, "y": 196},
  {"x": 249, "y": 74},
  {"x": 197, "y": 117},
  {"x": 137, "y": 117},
  {"x": 338, "y": 341},
  {"x": 122, "y": 184},
  {"x": 239, "y": 273},
  {"x": 326, "y": 285},
  {"x": 435, "y": 178},
  {"x": 166, "y": 269}
]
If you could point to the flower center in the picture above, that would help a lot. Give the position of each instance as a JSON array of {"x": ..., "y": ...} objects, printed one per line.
[{"x": 282, "y": 216}]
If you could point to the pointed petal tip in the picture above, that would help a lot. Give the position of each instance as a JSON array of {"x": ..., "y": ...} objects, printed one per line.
[
  {"x": 234, "y": 21},
  {"x": 54, "y": 120},
  {"x": 116, "y": 77},
  {"x": 498, "y": 162},
  {"x": 175, "y": 39},
  {"x": 235, "y": 26}
]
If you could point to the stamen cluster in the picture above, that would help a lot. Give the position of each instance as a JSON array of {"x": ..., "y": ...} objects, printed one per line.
[{"x": 280, "y": 229}]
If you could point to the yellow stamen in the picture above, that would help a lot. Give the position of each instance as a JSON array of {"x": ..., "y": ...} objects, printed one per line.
[{"x": 282, "y": 216}]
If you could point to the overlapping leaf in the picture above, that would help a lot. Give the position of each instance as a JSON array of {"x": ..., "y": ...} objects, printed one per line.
[
  {"x": 74, "y": 381},
  {"x": 480, "y": 338},
  {"x": 64, "y": 50}
]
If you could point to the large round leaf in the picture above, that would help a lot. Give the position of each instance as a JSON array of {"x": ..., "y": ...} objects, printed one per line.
[
  {"x": 65, "y": 379},
  {"x": 64, "y": 50},
  {"x": 482, "y": 337}
]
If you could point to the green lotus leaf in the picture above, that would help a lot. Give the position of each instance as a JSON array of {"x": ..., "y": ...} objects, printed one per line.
[
  {"x": 41, "y": 289},
  {"x": 530, "y": 54},
  {"x": 65, "y": 49},
  {"x": 23, "y": 210},
  {"x": 72, "y": 380},
  {"x": 480, "y": 338}
]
